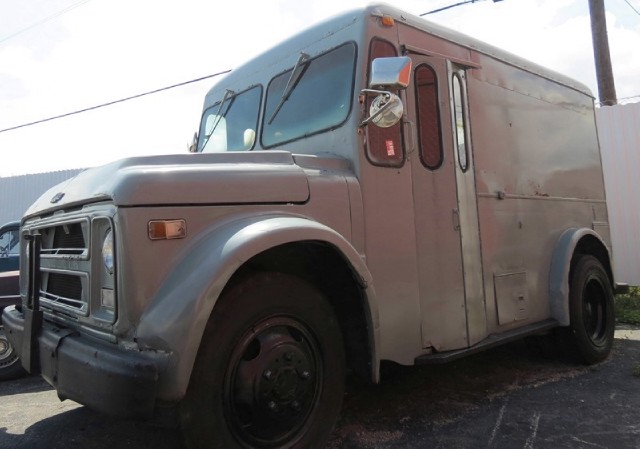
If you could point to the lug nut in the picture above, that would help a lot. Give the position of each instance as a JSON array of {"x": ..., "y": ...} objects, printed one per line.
[
  {"x": 268, "y": 374},
  {"x": 295, "y": 405},
  {"x": 272, "y": 406},
  {"x": 288, "y": 356},
  {"x": 305, "y": 375}
]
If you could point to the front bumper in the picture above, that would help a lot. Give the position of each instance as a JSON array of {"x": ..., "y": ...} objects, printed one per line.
[{"x": 101, "y": 376}]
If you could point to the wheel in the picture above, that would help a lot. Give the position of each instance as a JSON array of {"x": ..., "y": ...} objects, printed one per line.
[
  {"x": 10, "y": 366},
  {"x": 591, "y": 310},
  {"x": 270, "y": 369}
]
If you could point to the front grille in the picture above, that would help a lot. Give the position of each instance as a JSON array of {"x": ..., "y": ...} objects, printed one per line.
[
  {"x": 64, "y": 289},
  {"x": 66, "y": 239},
  {"x": 73, "y": 276},
  {"x": 65, "y": 265}
]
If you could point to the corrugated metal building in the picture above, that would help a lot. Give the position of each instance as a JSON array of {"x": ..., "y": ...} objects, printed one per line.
[
  {"x": 17, "y": 193},
  {"x": 619, "y": 132}
]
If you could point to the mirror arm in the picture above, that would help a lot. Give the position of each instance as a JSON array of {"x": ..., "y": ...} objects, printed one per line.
[{"x": 374, "y": 91}]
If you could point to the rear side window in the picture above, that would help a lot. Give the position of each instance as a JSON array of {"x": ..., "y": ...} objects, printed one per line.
[
  {"x": 429, "y": 134},
  {"x": 383, "y": 145}
]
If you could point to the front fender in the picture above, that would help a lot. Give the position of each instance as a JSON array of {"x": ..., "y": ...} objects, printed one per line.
[
  {"x": 176, "y": 316},
  {"x": 559, "y": 272}
]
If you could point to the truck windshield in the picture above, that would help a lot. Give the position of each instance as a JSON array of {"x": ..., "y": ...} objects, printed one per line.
[
  {"x": 230, "y": 124},
  {"x": 320, "y": 98}
]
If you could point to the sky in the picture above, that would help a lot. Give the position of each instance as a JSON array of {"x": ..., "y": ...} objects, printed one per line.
[{"x": 59, "y": 56}]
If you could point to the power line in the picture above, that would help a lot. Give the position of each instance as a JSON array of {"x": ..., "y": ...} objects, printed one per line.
[
  {"x": 632, "y": 7},
  {"x": 110, "y": 103},
  {"x": 447, "y": 7},
  {"x": 453, "y": 6},
  {"x": 45, "y": 20},
  {"x": 623, "y": 100}
]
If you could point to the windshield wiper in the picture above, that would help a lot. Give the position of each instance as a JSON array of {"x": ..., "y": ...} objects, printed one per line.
[
  {"x": 227, "y": 94},
  {"x": 294, "y": 78}
]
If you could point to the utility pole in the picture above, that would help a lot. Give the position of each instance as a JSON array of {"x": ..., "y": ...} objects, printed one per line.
[{"x": 604, "y": 72}]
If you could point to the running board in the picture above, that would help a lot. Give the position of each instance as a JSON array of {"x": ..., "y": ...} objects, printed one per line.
[{"x": 488, "y": 343}]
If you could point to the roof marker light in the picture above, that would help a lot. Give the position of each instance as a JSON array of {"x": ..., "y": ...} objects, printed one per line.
[{"x": 388, "y": 21}]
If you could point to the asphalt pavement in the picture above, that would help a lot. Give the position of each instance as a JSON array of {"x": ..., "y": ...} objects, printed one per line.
[{"x": 509, "y": 397}]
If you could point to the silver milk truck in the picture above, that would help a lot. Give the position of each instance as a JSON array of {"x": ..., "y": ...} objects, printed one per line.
[{"x": 376, "y": 188}]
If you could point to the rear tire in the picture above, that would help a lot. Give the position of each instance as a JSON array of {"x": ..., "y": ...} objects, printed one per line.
[
  {"x": 270, "y": 369},
  {"x": 591, "y": 311}
]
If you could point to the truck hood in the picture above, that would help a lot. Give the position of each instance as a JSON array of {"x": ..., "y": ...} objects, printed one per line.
[{"x": 215, "y": 178}]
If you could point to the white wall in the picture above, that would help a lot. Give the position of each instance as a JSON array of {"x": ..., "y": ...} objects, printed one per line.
[{"x": 619, "y": 132}]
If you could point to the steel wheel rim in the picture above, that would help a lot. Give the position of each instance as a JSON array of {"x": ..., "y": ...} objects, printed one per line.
[
  {"x": 273, "y": 382},
  {"x": 7, "y": 354},
  {"x": 594, "y": 312}
]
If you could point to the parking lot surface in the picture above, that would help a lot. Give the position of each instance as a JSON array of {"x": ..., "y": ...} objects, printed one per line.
[{"x": 509, "y": 397}]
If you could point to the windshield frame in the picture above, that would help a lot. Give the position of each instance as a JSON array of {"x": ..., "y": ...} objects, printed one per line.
[{"x": 308, "y": 63}]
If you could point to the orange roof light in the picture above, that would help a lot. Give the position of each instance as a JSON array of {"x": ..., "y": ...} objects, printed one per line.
[{"x": 388, "y": 21}]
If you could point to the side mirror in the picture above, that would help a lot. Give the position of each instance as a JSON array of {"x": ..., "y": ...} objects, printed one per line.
[
  {"x": 193, "y": 146},
  {"x": 387, "y": 74},
  {"x": 390, "y": 73},
  {"x": 386, "y": 109}
]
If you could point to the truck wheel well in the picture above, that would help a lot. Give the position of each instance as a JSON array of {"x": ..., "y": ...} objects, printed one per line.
[
  {"x": 590, "y": 245},
  {"x": 323, "y": 266}
]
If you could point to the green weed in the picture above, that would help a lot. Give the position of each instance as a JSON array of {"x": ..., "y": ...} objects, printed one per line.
[{"x": 627, "y": 307}]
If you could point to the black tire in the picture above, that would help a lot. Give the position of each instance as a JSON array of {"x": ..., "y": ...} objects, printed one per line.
[
  {"x": 270, "y": 369},
  {"x": 10, "y": 365},
  {"x": 591, "y": 311}
]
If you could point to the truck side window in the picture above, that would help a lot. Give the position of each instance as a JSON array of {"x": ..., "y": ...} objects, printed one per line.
[
  {"x": 383, "y": 145},
  {"x": 429, "y": 134},
  {"x": 460, "y": 121}
]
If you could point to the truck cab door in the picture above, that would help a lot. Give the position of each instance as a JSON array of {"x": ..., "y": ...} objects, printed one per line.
[{"x": 449, "y": 259}]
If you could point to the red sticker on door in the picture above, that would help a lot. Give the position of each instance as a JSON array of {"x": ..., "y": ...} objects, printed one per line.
[{"x": 391, "y": 151}]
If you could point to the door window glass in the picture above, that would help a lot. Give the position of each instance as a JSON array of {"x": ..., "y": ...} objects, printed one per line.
[{"x": 459, "y": 116}]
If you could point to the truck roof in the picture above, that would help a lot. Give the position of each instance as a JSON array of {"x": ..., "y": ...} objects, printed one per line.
[{"x": 298, "y": 43}]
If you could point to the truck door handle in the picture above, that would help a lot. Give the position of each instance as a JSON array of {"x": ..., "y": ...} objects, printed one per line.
[{"x": 456, "y": 219}]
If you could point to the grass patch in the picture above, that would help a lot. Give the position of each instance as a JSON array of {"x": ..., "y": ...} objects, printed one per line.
[{"x": 627, "y": 307}]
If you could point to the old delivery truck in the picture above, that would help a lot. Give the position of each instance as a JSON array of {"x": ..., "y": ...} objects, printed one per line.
[{"x": 375, "y": 188}]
